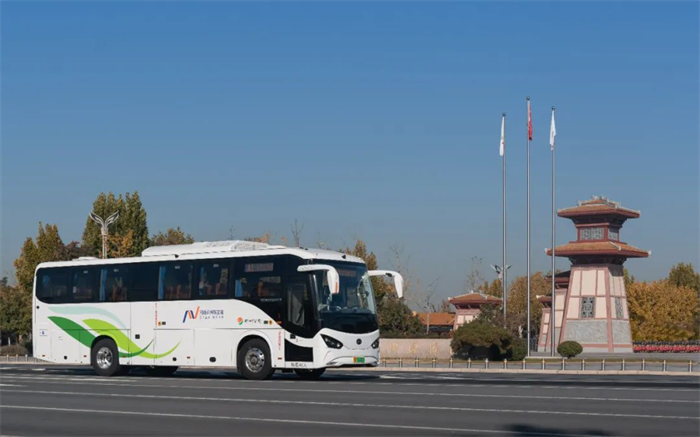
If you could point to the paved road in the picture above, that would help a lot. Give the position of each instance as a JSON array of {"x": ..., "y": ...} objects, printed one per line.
[{"x": 60, "y": 400}]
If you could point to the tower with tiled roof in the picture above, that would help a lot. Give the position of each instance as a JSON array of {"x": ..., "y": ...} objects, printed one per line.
[{"x": 592, "y": 308}]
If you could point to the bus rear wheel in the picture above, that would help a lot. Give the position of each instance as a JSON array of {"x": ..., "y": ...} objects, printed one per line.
[
  {"x": 104, "y": 357},
  {"x": 309, "y": 374},
  {"x": 254, "y": 360},
  {"x": 161, "y": 370}
]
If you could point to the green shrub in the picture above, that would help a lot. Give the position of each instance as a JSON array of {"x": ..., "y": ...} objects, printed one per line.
[
  {"x": 480, "y": 339},
  {"x": 518, "y": 350},
  {"x": 569, "y": 349},
  {"x": 13, "y": 350}
]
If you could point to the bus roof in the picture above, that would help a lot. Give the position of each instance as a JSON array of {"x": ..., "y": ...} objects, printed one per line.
[{"x": 208, "y": 250}]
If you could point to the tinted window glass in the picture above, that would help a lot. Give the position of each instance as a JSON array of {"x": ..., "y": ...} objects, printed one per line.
[
  {"x": 259, "y": 280},
  {"x": 213, "y": 280},
  {"x": 145, "y": 282},
  {"x": 115, "y": 284},
  {"x": 175, "y": 281},
  {"x": 52, "y": 285},
  {"x": 86, "y": 282}
]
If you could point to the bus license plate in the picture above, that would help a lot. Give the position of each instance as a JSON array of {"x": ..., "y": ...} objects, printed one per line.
[{"x": 358, "y": 360}]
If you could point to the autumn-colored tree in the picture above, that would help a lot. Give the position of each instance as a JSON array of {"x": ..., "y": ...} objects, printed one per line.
[
  {"x": 16, "y": 303},
  {"x": 120, "y": 246},
  {"x": 684, "y": 275},
  {"x": 171, "y": 237},
  {"x": 662, "y": 311},
  {"x": 132, "y": 217},
  {"x": 48, "y": 247},
  {"x": 517, "y": 301}
]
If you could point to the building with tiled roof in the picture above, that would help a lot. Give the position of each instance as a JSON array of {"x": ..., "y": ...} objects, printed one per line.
[
  {"x": 468, "y": 306},
  {"x": 441, "y": 323}
]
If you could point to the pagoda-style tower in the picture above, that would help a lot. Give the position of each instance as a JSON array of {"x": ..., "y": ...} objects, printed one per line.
[{"x": 593, "y": 311}]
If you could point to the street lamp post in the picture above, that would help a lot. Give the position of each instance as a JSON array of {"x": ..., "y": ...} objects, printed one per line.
[
  {"x": 104, "y": 228},
  {"x": 501, "y": 272}
]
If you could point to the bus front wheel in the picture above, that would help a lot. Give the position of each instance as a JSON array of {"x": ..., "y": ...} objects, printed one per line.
[
  {"x": 309, "y": 374},
  {"x": 105, "y": 358},
  {"x": 254, "y": 360}
]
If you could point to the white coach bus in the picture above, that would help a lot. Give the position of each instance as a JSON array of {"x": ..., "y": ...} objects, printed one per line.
[{"x": 252, "y": 306}]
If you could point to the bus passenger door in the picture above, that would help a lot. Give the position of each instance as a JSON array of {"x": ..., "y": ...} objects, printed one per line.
[{"x": 142, "y": 333}]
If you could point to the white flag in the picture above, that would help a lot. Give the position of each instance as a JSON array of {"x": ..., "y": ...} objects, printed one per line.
[
  {"x": 503, "y": 136},
  {"x": 552, "y": 132}
]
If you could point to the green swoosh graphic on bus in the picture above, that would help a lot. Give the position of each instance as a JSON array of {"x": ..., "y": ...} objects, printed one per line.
[
  {"x": 80, "y": 310},
  {"x": 101, "y": 327},
  {"x": 76, "y": 331}
]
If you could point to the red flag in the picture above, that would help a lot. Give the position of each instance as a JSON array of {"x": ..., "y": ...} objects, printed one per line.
[{"x": 529, "y": 120}]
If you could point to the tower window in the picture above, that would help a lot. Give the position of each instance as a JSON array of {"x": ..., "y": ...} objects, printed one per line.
[
  {"x": 618, "y": 307},
  {"x": 587, "y": 307},
  {"x": 613, "y": 234},
  {"x": 592, "y": 234}
]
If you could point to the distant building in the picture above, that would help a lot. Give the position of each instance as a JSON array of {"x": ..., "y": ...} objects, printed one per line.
[
  {"x": 468, "y": 306},
  {"x": 439, "y": 323},
  {"x": 591, "y": 300}
]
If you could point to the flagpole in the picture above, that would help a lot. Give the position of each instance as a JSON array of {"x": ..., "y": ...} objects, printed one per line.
[
  {"x": 505, "y": 265},
  {"x": 553, "y": 329},
  {"x": 529, "y": 121}
]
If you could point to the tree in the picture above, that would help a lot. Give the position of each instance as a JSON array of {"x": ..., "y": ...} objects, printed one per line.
[
  {"x": 517, "y": 301},
  {"x": 15, "y": 311},
  {"x": 170, "y": 237},
  {"x": 48, "y": 247},
  {"x": 475, "y": 280},
  {"x": 132, "y": 217},
  {"x": 297, "y": 229},
  {"x": 445, "y": 307},
  {"x": 684, "y": 275},
  {"x": 628, "y": 279},
  {"x": 662, "y": 311},
  {"x": 17, "y": 301},
  {"x": 120, "y": 246},
  {"x": 481, "y": 339}
]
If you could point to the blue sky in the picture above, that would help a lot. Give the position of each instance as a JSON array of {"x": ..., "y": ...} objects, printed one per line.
[{"x": 371, "y": 120}]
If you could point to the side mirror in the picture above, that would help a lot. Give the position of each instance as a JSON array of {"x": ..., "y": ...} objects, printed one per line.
[
  {"x": 398, "y": 279},
  {"x": 331, "y": 274}
]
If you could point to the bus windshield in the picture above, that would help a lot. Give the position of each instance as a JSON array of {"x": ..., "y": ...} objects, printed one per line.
[{"x": 355, "y": 295}]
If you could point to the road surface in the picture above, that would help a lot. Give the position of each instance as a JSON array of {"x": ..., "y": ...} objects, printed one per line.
[{"x": 60, "y": 400}]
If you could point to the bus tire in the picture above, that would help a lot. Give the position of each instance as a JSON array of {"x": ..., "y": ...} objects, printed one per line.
[
  {"x": 104, "y": 358},
  {"x": 254, "y": 360},
  {"x": 309, "y": 374},
  {"x": 161, "y": 370}
]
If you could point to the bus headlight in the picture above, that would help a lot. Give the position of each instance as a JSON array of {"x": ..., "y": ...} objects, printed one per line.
[
  {"x": 375, "y": 345},
  {"x": 331, "y": 342}
]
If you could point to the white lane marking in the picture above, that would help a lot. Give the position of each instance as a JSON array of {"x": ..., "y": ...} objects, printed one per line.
[
  {"x": 326, "y": 382},
  {"x": 38, "y": 370},
  {"x": 294, "y": 421},
  {"x": 11, "y": 385},
  {"x": 377, "y": 392},
  {"x": 276, "y": 401}
]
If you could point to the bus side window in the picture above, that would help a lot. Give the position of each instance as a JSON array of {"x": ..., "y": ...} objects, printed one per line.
[
  {"x": 86, "y": 282},
  {"x": 115, "y": 284},
  {"x": 212, "y": 277},
  {"x": 144, "y": 286},
  {"x": 52, "y": 285},
  {"x": 175, "y": 281}
]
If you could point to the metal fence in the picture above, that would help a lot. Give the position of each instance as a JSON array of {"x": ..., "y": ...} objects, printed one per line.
[
  {"x": 549, "y": 364},
  {"x": 531, "y": 364}
]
